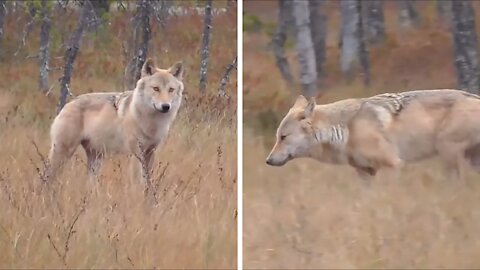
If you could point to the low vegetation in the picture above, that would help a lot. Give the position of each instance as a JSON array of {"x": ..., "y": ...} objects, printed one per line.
[{"x": 75, "y": 223}]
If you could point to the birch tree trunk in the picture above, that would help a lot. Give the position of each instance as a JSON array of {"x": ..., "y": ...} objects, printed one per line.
[
  {"x": 465, "y": 46},
  {"x": 408, "y": 15},
  {"x": 207, "y": 26},
  {"x": 279, "y": 39},
  {"x": 363, "y": 55},
  {"x": 71, "y": 54},
  {"x": 318, "y": 28},
  {"x": 3, "y": 14},
  {"x": 144, "y": 17},
  {"x": 349, "y": 36},
  {"x": 160, "y": 8},
  {"x": 141, "y": 38},
  {"x": 99, "y": 7},
  {"x": 304, "y": 46},
  {"x": 43, "y": 53},
  {"x": 374, "y": 20}
]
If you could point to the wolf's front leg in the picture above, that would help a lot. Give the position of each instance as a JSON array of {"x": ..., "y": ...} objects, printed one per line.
[
  {"x": 147, "y": 167},
  {"x": 142, "y": 165}
]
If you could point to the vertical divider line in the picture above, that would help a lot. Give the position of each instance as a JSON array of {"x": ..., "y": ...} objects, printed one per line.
[{"x": 240, "y": 134}]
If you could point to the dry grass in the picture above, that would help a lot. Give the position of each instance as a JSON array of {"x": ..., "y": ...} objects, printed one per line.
[
  {"x": 69, "y": 224},
  {"x": 311, "y": 215}
]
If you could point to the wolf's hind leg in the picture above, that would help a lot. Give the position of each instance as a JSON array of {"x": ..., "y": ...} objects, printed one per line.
[
  {"x": 450, "y": 153},
  {"x": 59, "y": 154},
  {"x": 472, "y": 155},
  {"x": 94, "y": 162}
]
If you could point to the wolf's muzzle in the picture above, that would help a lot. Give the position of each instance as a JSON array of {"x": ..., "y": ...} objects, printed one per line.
[
  {"x": 276, "y": 162},
  {"x": 164, "y": 108}
]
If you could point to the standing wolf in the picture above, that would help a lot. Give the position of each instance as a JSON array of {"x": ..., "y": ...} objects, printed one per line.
[
  {"x": 384, "y": 131},
  {"x": 133, "y": 122}
]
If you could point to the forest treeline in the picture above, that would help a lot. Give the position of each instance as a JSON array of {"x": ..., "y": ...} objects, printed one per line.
[
  {"x": 92, "y": 15},
  {"x": 362, "y": 25}
]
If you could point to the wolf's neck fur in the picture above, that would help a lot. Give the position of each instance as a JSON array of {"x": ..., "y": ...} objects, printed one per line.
[
  {"x": 337, "y": 114},
  {"x": 336, "y": 135}
]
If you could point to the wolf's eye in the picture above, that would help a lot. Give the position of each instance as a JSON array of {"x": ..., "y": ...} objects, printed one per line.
[
  {"x": 283, "y": 137},
  {"x": 156, "y": 89},
  {"x": 171, "y": 90}
]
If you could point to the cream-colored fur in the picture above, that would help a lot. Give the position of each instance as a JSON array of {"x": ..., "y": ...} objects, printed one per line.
[
  {"x": 384, "y": 131},
  {"x": 133, "y": 122}
]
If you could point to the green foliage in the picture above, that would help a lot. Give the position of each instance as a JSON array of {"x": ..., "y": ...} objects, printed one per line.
[{"x": 252, "y": 23}]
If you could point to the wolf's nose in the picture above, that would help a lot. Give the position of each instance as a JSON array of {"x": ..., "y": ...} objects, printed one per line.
[
  {"x": 165, "y": 107},
  {"x": 268, "y": 161}
]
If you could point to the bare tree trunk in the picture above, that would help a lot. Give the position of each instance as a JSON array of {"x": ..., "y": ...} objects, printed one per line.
[
  {"x": 318, "y": 28},
  {"x": 374, "y": 20},
  {"x": 408, "y": 15},
  {"x": 145, "y": 26},
  {"x": 71, "y": 54},
  {"x": 349, "y": 36},
  {"x": 465, "y": 46},
  {"x": 362, "y": 39},
  {"x": 160, "y": 8},
  {"x": 304, "y": 46},
  {"x": 43, "y": 53},
  {"x": 141, "y": 39},
  {"x": 3, "y": 14},
  {"x": 279, "y": 38},
  {"x": 99, "y": 7},
  {"x": 226, "y": 77},
  {"x": 207, "y": 25}
]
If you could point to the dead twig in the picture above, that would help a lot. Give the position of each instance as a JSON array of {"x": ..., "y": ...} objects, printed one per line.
[
  {"x": 26, "y": 30},
  {"x": 71, "y": 232},
  {"x": 56, "y": 250}
]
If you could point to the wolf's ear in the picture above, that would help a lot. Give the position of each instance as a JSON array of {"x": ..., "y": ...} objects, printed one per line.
[
  {"x": 148, "y": 68},
  {"x": 310, "y": 107},
  {"x": 177, "y": 70},
  {"x": 301, "y": 102}
]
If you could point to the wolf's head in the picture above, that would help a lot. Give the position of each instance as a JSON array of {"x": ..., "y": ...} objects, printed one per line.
[
  {"x": 295, "y": 134},
  {"x": 161, "y": 89}
]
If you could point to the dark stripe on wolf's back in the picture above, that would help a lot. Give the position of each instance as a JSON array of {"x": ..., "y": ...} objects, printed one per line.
[{"x": 113, "y": 101}]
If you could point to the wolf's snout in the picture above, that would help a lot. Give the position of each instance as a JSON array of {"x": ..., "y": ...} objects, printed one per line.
[
  {"x": 274, "y": 161},
  {"x": 269, "y": 161},
  {"x": 165, "y": 107}
]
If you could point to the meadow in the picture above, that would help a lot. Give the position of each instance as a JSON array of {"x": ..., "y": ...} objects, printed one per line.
[
  {"x": 312, "y": 215},
  {"x": 191, "y": 223}
]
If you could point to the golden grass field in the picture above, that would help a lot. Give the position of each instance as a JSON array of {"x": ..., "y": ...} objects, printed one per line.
[
  {"x": 312, "y": 215},
  {"x": 68, "y": 225}
]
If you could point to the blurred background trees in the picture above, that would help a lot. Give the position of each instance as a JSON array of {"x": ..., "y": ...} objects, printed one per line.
[
  {"x": 61, "y": 29},
  {"x": 353, "y": 48},
  {"x": 361, "y": 26}
]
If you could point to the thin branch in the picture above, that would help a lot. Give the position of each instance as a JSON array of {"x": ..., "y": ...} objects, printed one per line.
[
  {"x": 226, "y": 77},
  {"x": 56, "y": 250},
  {"x": 27, "y": 29}
]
